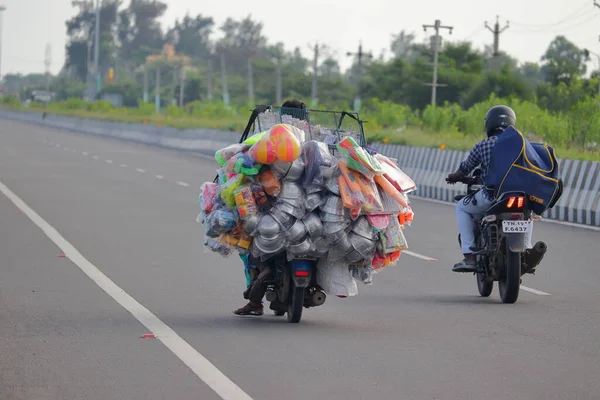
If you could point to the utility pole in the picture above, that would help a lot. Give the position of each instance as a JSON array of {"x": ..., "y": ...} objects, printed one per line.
[
  {"x": 97, "y": 49},
  {"x": 146, "y": 82},
  {"x": 157, "y": 94},
  {"x": 209, "y": 76},
  {"x": 2, "y": 9},
  {"x": 182, "y": 86},
  {"x": 175, "y": 82},
  {"x": 496, "y": 31},
  {"x": 250, "y": 81},
  {"x": 224, "y": 83},
  {"x": 47, "y": 63},
  {"x": 314, "y": 95},
  {"x": 436, "y": 44},
  {"x": 360, "y": 54},
  {"x": 278, "y": 89},
  {"x": 95, "y": 78},
  {"x": 587, "y": 52}
]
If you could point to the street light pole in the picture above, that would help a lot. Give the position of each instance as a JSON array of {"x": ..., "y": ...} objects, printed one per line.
[
  {"x": 2, "y": 9},
  {"x": 97, "y": 49}
]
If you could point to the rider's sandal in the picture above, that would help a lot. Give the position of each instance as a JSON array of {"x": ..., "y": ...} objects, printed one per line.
[
  {"x": 464, "y": 267},
  {"x": 249, "y": 309}
]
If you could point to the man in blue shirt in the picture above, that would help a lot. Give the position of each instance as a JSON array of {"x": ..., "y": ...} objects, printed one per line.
[{"x": 472, "y": 208}]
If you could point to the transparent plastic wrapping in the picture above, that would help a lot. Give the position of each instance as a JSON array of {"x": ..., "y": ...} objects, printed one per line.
[
  {"x": 242, "y": 164},
  {"x": 244, "y": 199},
  {"x": 379, "y": 221},
  {"x": 208, "y": 191},
  {"x": 303, "y": 248},
  {"x": 332, "y": 184},
  {"x": 296, "y": 212},
  {"x": 358, "y": 159},
  {"x": 313, "y": 201},
  {"x": 350, "y": 198},
  {"x": 278, "y": 194},
  {"x": 314, "y": 225},
  {"x": 362, "y": 273},
  {"x": 220, "y": 221},
  {"x": 395, "y": 175},
  {"x": 218, "y": 245},
  {"x": 226, "y": 190},
  {"x": 391, "y": 190},
  {"x": 317, "y": 160},
  {"x": 372, "y": 200},
  {"x": 336, "y": 279},
  {"x": 260, "y": 196},
  {"x": 224, "y": 155},
  {"x": 296, "y": 170},
  {"x": 280, "y": 143},
  {"x": 392, "y": 239},
  {"x": 270, "y": 182}
]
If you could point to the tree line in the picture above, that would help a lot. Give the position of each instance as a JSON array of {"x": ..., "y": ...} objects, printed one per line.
[{"x": 243, "y": 65}]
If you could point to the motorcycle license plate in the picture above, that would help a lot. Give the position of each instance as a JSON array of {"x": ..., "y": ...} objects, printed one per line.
[{"x": 516, "y": 226}]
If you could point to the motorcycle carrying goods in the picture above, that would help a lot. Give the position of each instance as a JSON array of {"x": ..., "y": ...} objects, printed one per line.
[{"x": 519, "y": 165}]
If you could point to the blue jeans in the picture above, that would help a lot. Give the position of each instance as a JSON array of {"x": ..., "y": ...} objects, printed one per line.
[{"x": 466, "y": 214}]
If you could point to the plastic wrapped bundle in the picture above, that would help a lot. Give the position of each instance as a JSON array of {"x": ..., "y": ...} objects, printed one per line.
[{"x": 276, "y": 193}]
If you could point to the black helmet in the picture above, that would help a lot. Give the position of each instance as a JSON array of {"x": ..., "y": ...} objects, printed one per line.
[{"x": 499, "y": 118}]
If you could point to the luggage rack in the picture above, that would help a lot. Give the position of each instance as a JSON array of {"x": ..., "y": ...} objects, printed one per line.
[{"x": 322, "y": 125}]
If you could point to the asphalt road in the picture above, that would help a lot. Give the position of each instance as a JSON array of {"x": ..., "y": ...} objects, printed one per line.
[{"x": 420, "y": 332}]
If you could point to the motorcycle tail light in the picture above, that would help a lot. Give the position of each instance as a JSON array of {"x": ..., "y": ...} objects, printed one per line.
[{"x": 515, "y": 202}]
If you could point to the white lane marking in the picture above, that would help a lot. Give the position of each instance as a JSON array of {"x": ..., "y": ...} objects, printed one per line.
[
  {"x": 141, "y": 171},
  {"x": 203, "y": 368},
  {"x": 109, "y": 161},
  {"x": 58, "y": 145},
  {"x": 534, "y": 291},
  {"x": 65, "y": 148},
  {"x": 85, "y": 153},
  {"x": 95, "y": 157},
  {"x": 73, "y": 150},
  {"x": 551, "y": 221},
  {"x": 160, "y": 177},
  {"x": 184, "y": 184},
  {"x": 123, "y": 165},
  {"x": 417, "y": 255}
]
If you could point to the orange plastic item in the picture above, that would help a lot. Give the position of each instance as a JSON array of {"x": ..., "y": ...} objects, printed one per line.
[
  {"x": 351, "y": 199},
  {"x": 390, "y": 189},
  {"x": 264, "y": 151},
  {"x": 350, "y": 176},
  {"x": 402, "y": 218},
  {"x": 369, "y": 190},
  {"x": 268, "y": 180}
]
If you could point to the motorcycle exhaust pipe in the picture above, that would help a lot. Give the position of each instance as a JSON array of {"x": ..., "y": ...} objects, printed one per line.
[
  {"x": 318, "y": 298},
  {"x": 534, "y": 257},
  {"x": 271, "y": 296}
]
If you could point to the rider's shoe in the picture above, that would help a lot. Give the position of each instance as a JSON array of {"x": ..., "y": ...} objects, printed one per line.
[
  {"x": 250, "y": 309},
  {"x": 468, "y": 264}
]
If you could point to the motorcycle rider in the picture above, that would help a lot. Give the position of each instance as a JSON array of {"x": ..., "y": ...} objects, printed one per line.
[
  {"x": 258, "y": 272},
  {"x": 472, "y": 207}
]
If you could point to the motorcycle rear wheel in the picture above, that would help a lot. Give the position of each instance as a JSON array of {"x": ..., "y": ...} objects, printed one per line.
[
  {"x": 510, "y": 284},
  {"x": 296, "y": 304}
]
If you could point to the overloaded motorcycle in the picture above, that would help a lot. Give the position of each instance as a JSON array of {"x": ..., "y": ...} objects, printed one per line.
[
  {"x": 293, "y": 284},
  {"x": 500, "y": 241}
]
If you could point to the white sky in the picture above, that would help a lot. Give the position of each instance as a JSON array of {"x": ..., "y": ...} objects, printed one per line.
[{"x": 28, "y": 25}]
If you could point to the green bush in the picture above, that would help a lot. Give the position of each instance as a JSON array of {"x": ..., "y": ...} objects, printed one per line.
[{"x": 576, "y": 131}]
